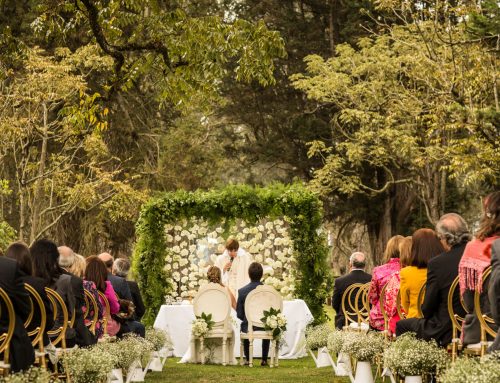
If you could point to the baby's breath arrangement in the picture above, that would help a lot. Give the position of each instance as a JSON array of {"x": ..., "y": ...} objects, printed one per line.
[
  {"x": 158, "y": 338},
  {"x": 336, "y": 340},
  {"x": 365, "y": 347},
  {"x": 409, "y": 356},
  {"x": 34, "y": 374},
  {"x": 317, "y": 336},
  {"x": 471, "y": 370},
  {"x": 89, "y": 365},
  {"x": 125, "y": 352}
]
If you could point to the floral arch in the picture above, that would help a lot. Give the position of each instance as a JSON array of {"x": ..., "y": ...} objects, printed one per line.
[{"x": 179, "y": 233}]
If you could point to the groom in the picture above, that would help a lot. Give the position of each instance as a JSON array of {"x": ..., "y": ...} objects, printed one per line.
[{"x": 255, "y": 272}]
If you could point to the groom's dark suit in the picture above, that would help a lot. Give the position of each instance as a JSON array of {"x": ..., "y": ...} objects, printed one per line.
[{"x": 240, "y": 312}]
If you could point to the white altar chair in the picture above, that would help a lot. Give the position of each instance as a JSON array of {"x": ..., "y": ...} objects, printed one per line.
[
  {"x": 214, "y": 299},
  {"x": 259, "y": 300}
]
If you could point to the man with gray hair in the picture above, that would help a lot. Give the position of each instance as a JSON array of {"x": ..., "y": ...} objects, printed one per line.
[
  {"x": 357, "y": 263},
  {"x": 442, "y": 270}
]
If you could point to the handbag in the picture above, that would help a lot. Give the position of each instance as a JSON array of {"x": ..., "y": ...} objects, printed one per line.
[{"x": 126, "y": 312}]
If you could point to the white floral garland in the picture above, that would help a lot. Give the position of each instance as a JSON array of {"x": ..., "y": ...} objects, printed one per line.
[{"x": 194, "y": 245}]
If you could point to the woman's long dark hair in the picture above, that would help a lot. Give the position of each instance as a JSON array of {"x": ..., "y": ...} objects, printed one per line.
[
  {"x": 490, "y": 222},
  {"x": 45, "y": 256},
  {"x": 21, "y": 254},
  {"x": 96, "y": 272}
]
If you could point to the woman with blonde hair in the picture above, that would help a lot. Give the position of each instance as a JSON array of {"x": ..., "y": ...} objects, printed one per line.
[
  {"x": 214, "y": 276},
  {"x": 380, "y": 277}
]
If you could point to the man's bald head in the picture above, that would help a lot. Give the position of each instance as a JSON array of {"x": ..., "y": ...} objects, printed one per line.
[
  {"x": 107, "y": 259},
  {"x": 357, "y": 260},
  {"x": 66, "y": 257}
]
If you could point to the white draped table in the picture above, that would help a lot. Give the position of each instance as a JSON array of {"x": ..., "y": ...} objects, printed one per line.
[{"x": 176, "y": 320}]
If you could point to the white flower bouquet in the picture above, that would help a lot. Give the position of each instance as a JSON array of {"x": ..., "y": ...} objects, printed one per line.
[
  {"x": 364, "y": 347},
  {"x": 408, "y": 356},
  {"x": 472, "y": 370},
  {"x": 317, "y": 336},
  {"x": 275, "y": 322},
  {"x": 89, "y": 365},
  {"x": 202, "y": 325}
]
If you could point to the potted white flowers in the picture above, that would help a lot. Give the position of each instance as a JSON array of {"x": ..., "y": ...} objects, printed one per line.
[
  {"x": 161, "y": 347},
  {"x": 89, "y": 365},
  {"x": 412, "y": 358},
  {"x": 472, "y": 370},
  {"x": 317, "y": 339},
  {"x": 364, "y": 348}
]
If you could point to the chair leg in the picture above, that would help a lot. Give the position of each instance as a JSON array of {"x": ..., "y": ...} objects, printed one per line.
[
  {"x": 224, "y": 345},
  {"x": 250, "y": 357},
  {"x": 271, "y": 354},
  {"x": 277, "y": 354},
  {"x": 242, "y": 354},
  {"x": 202, "y": 351}
]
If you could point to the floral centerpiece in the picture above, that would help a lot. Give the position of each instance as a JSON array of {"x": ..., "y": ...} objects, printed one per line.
[
  {"x": 275, "y": 322},
  {"x": 202, "y": 325},
  {"x": 408, "y": 356},
  {"x": 472, "y": 370}
]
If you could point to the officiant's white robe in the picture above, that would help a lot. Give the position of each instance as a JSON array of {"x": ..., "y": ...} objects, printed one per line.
[{"x": 237, "y": 276}]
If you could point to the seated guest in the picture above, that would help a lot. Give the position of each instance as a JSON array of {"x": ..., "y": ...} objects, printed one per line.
[
  {"x": 66, "y": 260},
  {"x": 121, "y": 268},
  {"x": 22, "y": 354},
  {"x": 380, "y": 277},
  {"x": 424, "y": 245},
  {"x": 441, "y": 272},
  {"x": 357, "y": 263},
  {"x": 494, "y": 292},
  {"x": 392, "y": 289},
  {"x": 214, "y": 276},
  {"x": 119, "y": 284},
  {"x": 21, "y": 254},
  {"x": 45, "y": 258},
  {"x": 255, "y": 272},
  {"x": 78, "y": 269},
  {"x": 96, "y": 272},
  {"x": 476, "y": 258}
]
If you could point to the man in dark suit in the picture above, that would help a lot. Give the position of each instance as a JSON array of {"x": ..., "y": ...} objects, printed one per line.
[
  {"x": 22, "y": 354},
  {"x": 255, "y": 272},
  {"x": 494, "y": 292},
  {"x": 83, "y": 335},
  {"x": 441, "y": 272},
  {"x": 119, "y": 284},
  {"x": 357, "y": 263}
]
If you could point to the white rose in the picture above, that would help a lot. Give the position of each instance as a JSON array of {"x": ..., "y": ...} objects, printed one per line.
[
  {"x": 177, "y": 237},
  {"x": 258, "y": 258},
  {"x": 192, "y": 248},
  {"x": 177, "y": 228},
  {"x": 261, "y": 227},
  {"x": 176, "y": 249},
  {"x": 168, "y": 267},
  {"x": 184, "y": 252},
  {"x": 269, "y": 225},
  {"x": 184, "y": 271},
  {"x": 169, "y": 238},
  {"x": 271, "y": 236},
  {"x": 246, "y": 230},
  {"x": 277, "y": 265},
  {"x": 183, "y": 288},
  {"x": 184, "y": 279},
  {"x": 183, "y": 244},
  {"x": 202, "y": 263},
  {"x": 258, "y": 236},
  {"x": 176, "y": 276},
  {"x": 175, "y": 265},
  {"x": 267, "y": 253},
  {"x": 183, "y": 262},
  {"x": 168, "y": 227},
  {"x": 219, "y": 230}
]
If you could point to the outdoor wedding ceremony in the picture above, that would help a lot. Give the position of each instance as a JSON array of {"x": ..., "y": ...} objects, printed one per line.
[{"x": 249, "y": 191}]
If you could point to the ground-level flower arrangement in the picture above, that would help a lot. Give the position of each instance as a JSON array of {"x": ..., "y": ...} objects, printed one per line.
[
  {"x": 364, "y": 347},
  {"x": 89, "y": 365},
  {"x": 34, "y": 374},
  {"x": 472, "y": 370},
  {"x": 408, "y": 356},
  {"x": 158, "y": 338},
  {"x": 274, "y": 321},
  {"x": 317, "y": 336}
]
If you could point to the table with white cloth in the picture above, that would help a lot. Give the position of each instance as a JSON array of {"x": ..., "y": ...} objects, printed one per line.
[{"x": 177, "y": 319}]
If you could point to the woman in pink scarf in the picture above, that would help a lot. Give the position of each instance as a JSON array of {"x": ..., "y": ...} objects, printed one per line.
[
  {"x": 380, "y": 277},
  {"x": 476, "y": 259}
]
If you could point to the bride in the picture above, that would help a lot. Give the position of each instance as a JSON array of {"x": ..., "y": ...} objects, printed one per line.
[{"x": 213, "y": 346}]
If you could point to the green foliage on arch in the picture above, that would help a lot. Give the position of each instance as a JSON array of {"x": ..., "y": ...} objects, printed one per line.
[{"x": 302, "y": 207}]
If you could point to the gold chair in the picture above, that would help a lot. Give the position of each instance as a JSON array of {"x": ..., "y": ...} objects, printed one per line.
[
  {"x": 485, "y": 321},
  {"x": 5, "y": 338},
  {"x": 107, "y": 313},
  {"x": 420, "y": 301},
  {"x": 456, "y": 320},
  {"x": 353, "y": 305},
  {"x": 91, "y": 303},
  {"x": 58, "y": 335},
  {"x": 36, "y": 334},
  {"x": 401, "y": 313}
]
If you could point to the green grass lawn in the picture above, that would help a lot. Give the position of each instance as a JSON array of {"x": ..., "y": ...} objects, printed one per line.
[{"x": 289, "y": 371}]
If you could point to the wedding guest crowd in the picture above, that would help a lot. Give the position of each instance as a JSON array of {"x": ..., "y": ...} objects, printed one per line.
[
  {"x": 419, "y": 271},
  {"x": 44, "y": 265}
]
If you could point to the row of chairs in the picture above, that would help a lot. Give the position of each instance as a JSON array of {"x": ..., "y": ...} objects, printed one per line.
[
  {"x": 57, "y": 335},
  {"x": 356, "y": 309}
]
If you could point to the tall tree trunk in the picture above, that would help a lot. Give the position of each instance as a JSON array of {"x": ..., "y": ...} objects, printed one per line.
[
  {"x": 39, "y": 182},
  {"x": 330, "y": 27}
]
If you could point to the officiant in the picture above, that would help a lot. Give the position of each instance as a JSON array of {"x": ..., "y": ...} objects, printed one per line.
[{"x": 234, "y": 263}]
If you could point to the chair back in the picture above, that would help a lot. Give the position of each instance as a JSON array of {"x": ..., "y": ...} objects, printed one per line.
[
  {"x": 90, "y": 304},
  {"x": 420, "y": 301},
  {"x": 354, "y": 303},
  {"x": 213, "y": 299},
  {"x": 487, "y": 323},
  {"x": 58, "y": 335},
  {"x": 399, "y": 308},
  {"x": 261, "y": 299},
  {"x": 36, "y": 334},
  {"x": 6, "y": 311},
  {"x": 382, "y": 309},
  {"x": 107, "y": 312}
]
